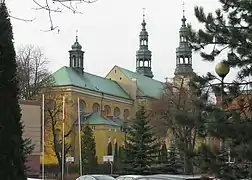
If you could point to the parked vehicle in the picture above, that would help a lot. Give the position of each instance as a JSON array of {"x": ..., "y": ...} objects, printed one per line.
[
  {"x": 170, "y": 177},
  {"x": 95, "y": 177},
  {"x": 128, "y": 177}
]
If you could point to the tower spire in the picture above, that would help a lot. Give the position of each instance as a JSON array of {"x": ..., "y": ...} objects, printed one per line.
[
  {"x": 183, "y": 52},
  {"x": 76, "y": 55},
  {"x": 143, "y": 55}
]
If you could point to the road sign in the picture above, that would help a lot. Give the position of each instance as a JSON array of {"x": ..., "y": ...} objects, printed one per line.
[
  {"x": 108, "y": 158},
  {"x": 69, "y": 159}
]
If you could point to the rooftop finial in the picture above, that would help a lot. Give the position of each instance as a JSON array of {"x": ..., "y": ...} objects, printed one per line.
[
  {"x": 143, "y": 13},
  {"x": 184, "y": 18},
  {"x": 143, "y": 23},
  {"x": 183, "y": 8},
  {"x": 76, "y": 35}
]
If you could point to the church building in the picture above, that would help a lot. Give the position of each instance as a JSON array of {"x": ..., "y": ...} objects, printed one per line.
[{"x": 108, "y": 103}]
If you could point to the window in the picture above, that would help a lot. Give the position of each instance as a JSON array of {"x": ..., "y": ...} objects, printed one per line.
[
  {"x": 126, "y": 114},
  {"x": 107, "y": 110},
  {"x": 74, "y": 61},
  {"x": 117, "y": 112},
  {"x": 82, "y": 106},
  {"x": 96, "y": 107}
]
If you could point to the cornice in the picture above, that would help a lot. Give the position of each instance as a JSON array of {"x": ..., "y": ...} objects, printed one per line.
[{"x": 98, "y": 94}]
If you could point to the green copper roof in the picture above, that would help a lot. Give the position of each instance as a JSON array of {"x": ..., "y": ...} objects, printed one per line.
[
  {"x": 147, "y": 86},
  {"x": 97, "y": 119},
  {"x": 68, "y": 76}
]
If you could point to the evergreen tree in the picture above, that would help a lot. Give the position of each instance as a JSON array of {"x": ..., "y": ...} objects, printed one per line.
[
  {"x": 163, "y": 157},
  {"x": 110, "y": 149},
  {"x": 228, "y": 31},
  {"x": 12, "y": 148},
  {"x": 231, "y": 124},
  {"x": 141, "y": 148},
  {"x": 116, "y": 152},
  {"x": 176, "y": 165},
  {"x": 88, "y": 152}
]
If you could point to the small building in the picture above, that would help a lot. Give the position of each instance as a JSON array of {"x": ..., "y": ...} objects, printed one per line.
[{"x": 31, "y": 118}]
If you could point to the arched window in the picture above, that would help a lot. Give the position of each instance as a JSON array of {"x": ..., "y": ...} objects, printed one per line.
[
  {"x": 74, "y": 61},
  {"x": 96, "y": 107},
  {"x": 117, "y": 112},
  {"x": 107, "y": 110},
  {"x": 82, "y": 106},
  {"x": 126, "y": 114}
]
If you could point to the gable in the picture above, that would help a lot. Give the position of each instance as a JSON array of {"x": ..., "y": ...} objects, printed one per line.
[
  {"x": 124, "y": 81},
  {"x": 146, "y": 87}
]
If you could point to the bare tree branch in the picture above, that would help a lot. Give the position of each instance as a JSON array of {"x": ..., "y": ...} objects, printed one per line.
[
  {"x": 49, "y": 6},
  {"x": 66, "y": 4},
  {"x": 53, "y": 123},
  {"x": 179, "y": 116},
  {"x": 32, "y": 71}
]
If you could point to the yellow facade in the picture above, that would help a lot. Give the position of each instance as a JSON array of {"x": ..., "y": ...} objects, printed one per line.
[{"x": 102, "y": 133}]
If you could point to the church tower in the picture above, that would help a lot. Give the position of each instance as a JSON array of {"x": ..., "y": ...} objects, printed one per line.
[
  {"x": 143, "y": 55},
  {"x": 183, "y": 52},
  {"x": 76, "y": 57}
]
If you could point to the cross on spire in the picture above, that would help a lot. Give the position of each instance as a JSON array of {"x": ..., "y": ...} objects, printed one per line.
[
  {"x": 76, "y": 35},
  {"x": 143, "y": 13},
  {"x": 183, "y": 8}
]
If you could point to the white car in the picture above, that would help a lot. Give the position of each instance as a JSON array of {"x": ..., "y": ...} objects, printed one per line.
[
  {"x": 95, "y": 177},
  {"x": 128, "y": 177}
]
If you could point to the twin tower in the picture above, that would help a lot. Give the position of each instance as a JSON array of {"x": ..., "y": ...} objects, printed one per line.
[{"x": 143, "y": 55}]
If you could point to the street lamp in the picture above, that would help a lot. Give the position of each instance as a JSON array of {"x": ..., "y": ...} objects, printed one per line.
[{"x": 222, "y": 69}]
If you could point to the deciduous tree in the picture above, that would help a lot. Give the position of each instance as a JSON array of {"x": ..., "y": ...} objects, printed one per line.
[
  {"x": 179, "y": 111},
  {"x": 53, "y": 124},
  {"x": 32, "y": 71}
]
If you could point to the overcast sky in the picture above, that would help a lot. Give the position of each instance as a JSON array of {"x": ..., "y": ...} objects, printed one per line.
[{"x": 108, "y": 31}]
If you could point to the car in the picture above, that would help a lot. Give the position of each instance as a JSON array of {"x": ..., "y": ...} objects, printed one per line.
[
  {"x": 96, "y": 177},
  {"x": 128, "y": 177},
  {"x": 170, "y": 177}
]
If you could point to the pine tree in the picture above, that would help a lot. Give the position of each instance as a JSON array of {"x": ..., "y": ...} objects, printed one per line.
[
  {"x": 141, "y": 148},
  {"x": 176, "y": 165},
  {"x": 88, "y": 152},
  {"x": 228, "y": 30},
  {"x": 12, "y": 155},
  {"x": 163, "y": 157},
  {"x": 110, "y": 149},
  {"x": 232, "y": 124},
  {"x": 116, "y": 152}
]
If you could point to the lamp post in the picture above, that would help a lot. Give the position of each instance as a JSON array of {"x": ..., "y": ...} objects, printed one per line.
[
  {"x": 222, "y": 69},
  {"x": 125, "y": 129}
]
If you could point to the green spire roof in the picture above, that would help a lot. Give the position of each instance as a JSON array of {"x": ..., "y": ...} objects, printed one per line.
[
  {"x": 146, "y": 86},
  {"x": 67, "y": 76}
]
